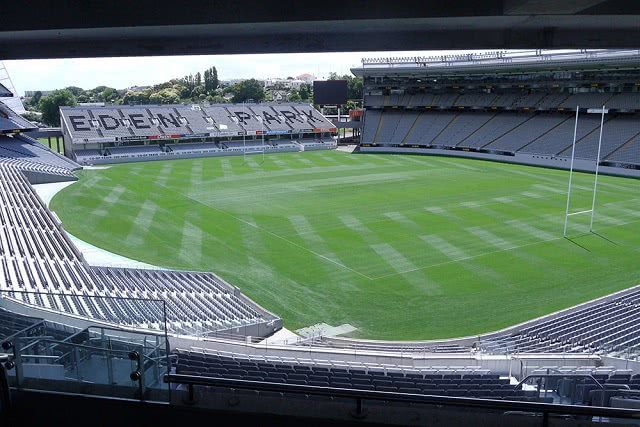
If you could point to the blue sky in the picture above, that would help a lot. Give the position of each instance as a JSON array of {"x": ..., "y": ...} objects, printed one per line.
[{"x": 47, "y": 74}]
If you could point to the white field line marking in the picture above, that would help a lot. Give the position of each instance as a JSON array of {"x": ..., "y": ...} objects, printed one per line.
[
  {"x": 458, "y": 165},
  {"x": 608, "y": 219},
  {"x": 398, "y": 217},
  {"x": 251, "y": 163},
  {"x": 627, "y": 211},
  {"x": 114, "y": 195},
  {"x": 196, "y": 172},
  {"x": 164, "y": 173},
  {"x": 142, "y": 222},
  {"x": 551, "y": 189},
  {"x": 352, "y": 222},
  {"x": 191, "y": 244},
  {"x": 437, "y": 210},
  {"x": 489, "y": 237},
  {"x": 441, "y": 245},
  {"x": 532, "y": 195},
  {"x": 111, "y": 198},
  {"x": 529, "y": 229},
  {"x": 472, "y": 257},
  {"x": 277, "y": 236},
  {"x": 225, "y": 166},
  {"x": 396, "y": 260}
]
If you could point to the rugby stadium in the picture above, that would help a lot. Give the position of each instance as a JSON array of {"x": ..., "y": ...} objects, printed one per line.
[{"x": 480, "y": 241}]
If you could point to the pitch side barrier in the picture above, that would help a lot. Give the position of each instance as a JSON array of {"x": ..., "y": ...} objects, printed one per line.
[
  {"x": 379, "y": 406},
  {"x": 551, "y": 162}
]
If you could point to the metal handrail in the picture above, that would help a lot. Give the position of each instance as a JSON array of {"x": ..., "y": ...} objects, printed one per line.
[
  {"x": 41, "y": 322},
  {"x": 360, "y": 395},
  {"x": 589, "y": 376}
]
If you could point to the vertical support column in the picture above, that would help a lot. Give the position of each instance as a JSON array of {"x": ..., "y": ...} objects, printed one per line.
[
  {"x": 595, "y": 184},
  {"x": 573, "y": 153}
]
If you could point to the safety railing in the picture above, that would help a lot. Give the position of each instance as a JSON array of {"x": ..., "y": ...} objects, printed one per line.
[{"x": 359, "y": 397}]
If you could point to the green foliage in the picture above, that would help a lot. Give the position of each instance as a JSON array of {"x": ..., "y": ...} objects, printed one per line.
[
  {"x": 50, "y": 105},
  {"x": 247, "y": 90},
  {"x": 294, "y": 96},
  {"x": 306, "y": 92},
  {"x": 165, "y": 96},
  {"x": 198, "y": 87},
  {"x": 211, "y": 80},
  {"x": 401, "y": 247},
  {"x": 138, "y": 97},
  {"x": 32, "y": 116},
  {"x": 36, "y": 97}
]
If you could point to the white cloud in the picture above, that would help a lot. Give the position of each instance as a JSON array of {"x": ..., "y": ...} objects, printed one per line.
[{"x": 48, "y": 74}]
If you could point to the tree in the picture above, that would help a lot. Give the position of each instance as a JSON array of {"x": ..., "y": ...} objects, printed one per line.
[
  {"x": 211, "y": 80},
  {"x": 165, "y": 96},
  {"x": 354, "y": 87},
  {"x": 294, "y": 95},
  {"x": 198, "y": 79},
  {"x": 75, "y": 90},
  {"x": 248, "y": 89},
  {"x": 36, "y": 97},
  {"x": 305, "y": 91},
  {"x": 139, "y": 97},
  {"x": 50, "y": 105}
]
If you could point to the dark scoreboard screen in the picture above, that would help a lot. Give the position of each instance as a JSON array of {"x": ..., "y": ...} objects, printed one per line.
[{"x": 330, "y": 92}]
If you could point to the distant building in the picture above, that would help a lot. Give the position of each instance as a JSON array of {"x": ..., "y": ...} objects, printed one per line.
[
  {"x": 32, "y": 93},
  {"x": 280, "y": 83},
  {"x": 306, "y": 77},
  {"x": 137, "y": 88}
]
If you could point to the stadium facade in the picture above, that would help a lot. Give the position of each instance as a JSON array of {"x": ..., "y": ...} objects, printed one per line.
[
  {"x": 125, "y": 332},
  {"x": 517, "y": 107}
]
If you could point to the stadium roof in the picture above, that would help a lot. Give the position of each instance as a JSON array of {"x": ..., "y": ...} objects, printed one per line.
[
  {"x": 497, "y": 62},
  {"x": 4, "y": 92},
  {"x": 161, "y": 27}
]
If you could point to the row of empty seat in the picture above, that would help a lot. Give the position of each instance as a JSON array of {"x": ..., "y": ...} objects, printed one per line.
[
  {"x": 538, "y": 101},
  {"x": 548, "y": 134},
  {"x": 169, "y": 151},
  {"x": 481, "y": 383},
  {"x": 609, "y": 326},
  {"x": 23, "y": 148},
  {"x": 101, "y": 124}
]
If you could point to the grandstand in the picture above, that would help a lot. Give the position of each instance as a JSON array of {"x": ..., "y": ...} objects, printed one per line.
[
  {"x": 518, "y": 108},
  {"x": 65, "y": 320},
  {"x": 112, "y": 134}
]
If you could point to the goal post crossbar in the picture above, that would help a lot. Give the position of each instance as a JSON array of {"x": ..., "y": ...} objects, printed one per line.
[{"x": 579, "y": 212}]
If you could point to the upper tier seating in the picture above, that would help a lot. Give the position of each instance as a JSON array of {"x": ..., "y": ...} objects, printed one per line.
[
  {"x": 534, "y": 101},
  {"x": 536, "y": 133}
]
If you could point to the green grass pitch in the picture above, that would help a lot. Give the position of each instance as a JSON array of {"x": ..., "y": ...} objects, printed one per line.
[{"x": 402, "y": 247}]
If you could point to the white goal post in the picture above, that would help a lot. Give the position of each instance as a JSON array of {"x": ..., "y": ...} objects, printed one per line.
[
  {"x": 602, "y": 111},
  {"x": 244, "y": 138}
]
